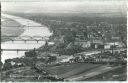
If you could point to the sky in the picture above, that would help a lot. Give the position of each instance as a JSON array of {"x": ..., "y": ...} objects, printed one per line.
[{"x": 65, "y": 7}]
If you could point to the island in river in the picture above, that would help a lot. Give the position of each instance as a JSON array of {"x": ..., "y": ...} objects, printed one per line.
[{"x": 10, "y": 27}]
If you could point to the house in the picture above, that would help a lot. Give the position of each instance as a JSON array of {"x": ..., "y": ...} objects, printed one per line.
[
  {"x": 66, "y": 59},
  {"x": 107, "y": 46},
  {"x": 117, "y": 44},
  {"x": 16, "y": 63},
  {"x": 96, "y": 43},
  {"x": 83, "y": 43},
  {"x": 59, "y": 39}
]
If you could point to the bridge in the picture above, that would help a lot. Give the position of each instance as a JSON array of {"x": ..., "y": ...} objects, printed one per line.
[
  {"x": 18, "y": 50},
  {"x": 26, "y": 38},
  {"x": 22, "y": 26}
]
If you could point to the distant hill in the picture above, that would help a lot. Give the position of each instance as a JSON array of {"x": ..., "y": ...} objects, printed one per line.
[{"x": 108, "y": 14}]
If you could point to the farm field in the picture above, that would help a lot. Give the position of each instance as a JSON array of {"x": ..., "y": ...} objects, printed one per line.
[
  {"x": 114, "y": 75},
  {"x": 23, "y": 74},
  {"x": 72, "y": 69}
]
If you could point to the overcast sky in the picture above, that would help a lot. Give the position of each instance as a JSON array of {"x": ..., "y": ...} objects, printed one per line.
[{"x": 64, "y": 7}]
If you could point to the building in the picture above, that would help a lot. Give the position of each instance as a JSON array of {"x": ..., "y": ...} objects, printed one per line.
[
  {"x": 96, "y": 43},
  {"x": 117, "y": 44},
  {"x": 83, "y": 43},
  {"x": 107, "y": 46}
]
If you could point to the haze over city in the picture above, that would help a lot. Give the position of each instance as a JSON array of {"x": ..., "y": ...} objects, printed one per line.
[{"x": 64, "y": 7}]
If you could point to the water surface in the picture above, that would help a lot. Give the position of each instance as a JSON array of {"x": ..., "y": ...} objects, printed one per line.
[{"x": 29, "y": 31}]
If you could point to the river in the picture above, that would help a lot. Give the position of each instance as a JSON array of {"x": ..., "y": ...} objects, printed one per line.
[{"x": 29, "y": 31}]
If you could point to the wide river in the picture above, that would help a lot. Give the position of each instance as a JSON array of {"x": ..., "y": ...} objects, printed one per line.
[{"x": 29, "y": 31}]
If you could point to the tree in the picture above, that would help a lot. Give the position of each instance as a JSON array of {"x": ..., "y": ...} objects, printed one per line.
[
  {"x": 102, "y": 30},
  {"x": 31, "y": 53},
  {"x": 69, "y": 37},
  {"x": 122, "y": 31},
  {"x": 74, "y": 49},
  {"x": 52, "y": 59},
  {"x": 7, "y": 66},
  {"x": 1, "y": 65}
]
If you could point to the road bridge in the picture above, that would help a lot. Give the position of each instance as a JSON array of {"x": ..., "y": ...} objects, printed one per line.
[
  {"x": 18, "y": 50},
  {"x": 22, "y": 26},
  {"x": 26, "y": 38}
]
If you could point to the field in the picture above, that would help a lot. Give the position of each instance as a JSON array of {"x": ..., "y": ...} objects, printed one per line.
[
  {"x": 68, "y": 70},
  {"x": 23, "y": 74},
  {"x": 114, "y": 75},
  {"x": 73, "y": 71}
]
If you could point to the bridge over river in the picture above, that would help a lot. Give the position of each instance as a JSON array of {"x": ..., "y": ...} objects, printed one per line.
[
  {"x": 33, "y": 37},
  {"x": 26, "y": 38}
]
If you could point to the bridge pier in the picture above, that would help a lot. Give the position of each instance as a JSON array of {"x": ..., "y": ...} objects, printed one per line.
[
  {"x": 37, "y": 41},
  {"x": 34, "y": 49},
  {"x": 31, "y": 37},
  {"x": 12, "y": 41},
  {"x": 25, "y": 41},
  {"x": 17, "y": 51},
  {"x": 1, "y": 51}
]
